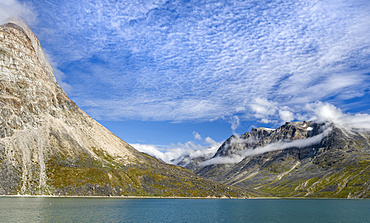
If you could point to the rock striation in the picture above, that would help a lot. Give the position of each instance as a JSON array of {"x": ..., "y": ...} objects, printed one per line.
[
  {"x": 49, "y": 146},
  {"x": 298, "y": 159}
]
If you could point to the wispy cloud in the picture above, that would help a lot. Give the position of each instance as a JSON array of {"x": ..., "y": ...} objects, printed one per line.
[
  {"x": 177, "y": 61},
  {"x": 235, "y": 122},
  {"x": 59, "y": 75},
  {"x": 15, "y": 8}
]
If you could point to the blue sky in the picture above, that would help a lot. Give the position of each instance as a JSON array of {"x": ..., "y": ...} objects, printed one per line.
[{"x": 166, "y": 73}]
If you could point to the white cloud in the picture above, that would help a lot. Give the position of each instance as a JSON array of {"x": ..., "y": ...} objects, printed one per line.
[
  {"x": 265, "y": 121},
  {"x": 325, "y": 112},
  {"x": 155, "y": 151},
  {"x": 211, "y": 142},
  {"x": 267, "y": 111},
  {"x": 197, "y": 136},
  {"x": 14, "y": 8},
  {"x": 286, "y": 116},
  {"x": 263, "y": 107},
  {"x": 183, "y": 152}
]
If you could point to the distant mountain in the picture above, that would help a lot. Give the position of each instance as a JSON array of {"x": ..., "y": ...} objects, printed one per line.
[
  {"x": 50, "y": 146},
  {"x": 299, "y": 159}
]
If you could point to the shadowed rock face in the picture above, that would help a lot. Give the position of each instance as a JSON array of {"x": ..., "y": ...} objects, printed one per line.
[
  {"x": 336, "y": 165},
  {"x": 49, "y": 146}
]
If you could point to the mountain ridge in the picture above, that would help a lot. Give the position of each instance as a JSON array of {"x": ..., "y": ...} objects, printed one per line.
[{"x": 293, "y": 163}]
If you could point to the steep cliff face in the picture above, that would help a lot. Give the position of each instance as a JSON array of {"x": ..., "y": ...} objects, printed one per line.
[
  {"x": 299, "y": 159},
  {"x": 49, "y": 146}
]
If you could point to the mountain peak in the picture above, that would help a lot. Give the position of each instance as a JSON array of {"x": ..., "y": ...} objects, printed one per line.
[
  {"x": 35, "y": 44},
  {"x": 298, "y": 159}
]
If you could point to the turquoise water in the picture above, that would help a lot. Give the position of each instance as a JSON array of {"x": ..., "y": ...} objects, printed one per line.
[{"x": 30, "y": 209}]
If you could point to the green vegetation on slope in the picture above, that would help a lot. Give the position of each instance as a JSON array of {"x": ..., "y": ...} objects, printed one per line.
[{"x": 105, "y": 176}]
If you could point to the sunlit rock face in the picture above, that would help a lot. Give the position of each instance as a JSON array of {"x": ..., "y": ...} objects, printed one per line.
[
  {"x": 49, "y": 146},
  {"x": 298, "y": 159},
  {"x": 37, "y": 119}
]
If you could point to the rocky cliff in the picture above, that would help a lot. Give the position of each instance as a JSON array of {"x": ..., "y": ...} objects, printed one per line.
[
  {"x": 299, "y": 159},
  {"x": 49, "y": 146}
]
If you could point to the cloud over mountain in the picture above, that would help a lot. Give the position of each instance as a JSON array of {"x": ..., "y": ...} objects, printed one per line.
[
  {"x": 182, "y": 152},
  {"x": 14, "y": 8}
]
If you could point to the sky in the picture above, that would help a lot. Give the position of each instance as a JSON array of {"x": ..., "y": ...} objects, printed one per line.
[{"x": 173, "y": 76}]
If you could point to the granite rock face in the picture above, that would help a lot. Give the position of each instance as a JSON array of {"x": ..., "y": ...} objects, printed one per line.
[
  {"x": 50, "y": 146},
  {"x": 299, "y": 159}
]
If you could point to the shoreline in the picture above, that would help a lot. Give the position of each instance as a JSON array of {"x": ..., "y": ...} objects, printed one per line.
[
  {"x": 120, "y": 197},
  {"x": 173, "y": 197}
]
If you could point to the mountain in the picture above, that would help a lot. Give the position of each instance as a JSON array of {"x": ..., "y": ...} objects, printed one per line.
[
  {"x": 50, "y": 146},
  {"x": 298, "y": 159}
]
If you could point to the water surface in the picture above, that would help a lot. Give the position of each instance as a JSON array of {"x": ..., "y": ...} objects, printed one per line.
[{"x": 39, "y": 209}]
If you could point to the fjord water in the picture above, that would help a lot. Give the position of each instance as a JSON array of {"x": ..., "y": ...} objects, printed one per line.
[{"x": 41, "y": 209}]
